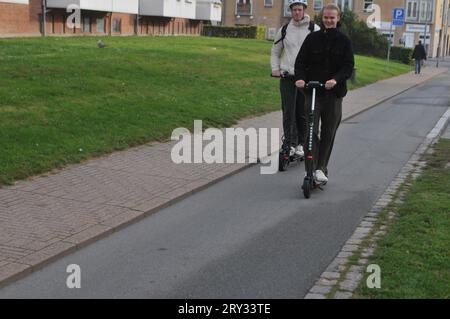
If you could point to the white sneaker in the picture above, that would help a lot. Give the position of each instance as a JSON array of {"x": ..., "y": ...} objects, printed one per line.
[
  {"x": 320, "y": 177},
  {"x": 299, "y": 151},
  {"x": 292, "y": 151}
]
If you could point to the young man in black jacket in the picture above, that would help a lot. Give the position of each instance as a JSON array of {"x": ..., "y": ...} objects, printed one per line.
[{"x": 326, "y": 56}]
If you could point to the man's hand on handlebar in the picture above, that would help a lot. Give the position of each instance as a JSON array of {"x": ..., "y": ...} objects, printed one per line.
[
  {"x": 300, "y": 84},
  {"x": 276, "y": 73},
  {"x": 330, "y": 84}
]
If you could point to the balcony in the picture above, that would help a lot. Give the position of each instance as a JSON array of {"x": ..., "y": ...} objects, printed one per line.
[
  {"x": 210, "y": 10},
  {"x": 169, "y": 8},
  {"x": 125, "y": 6}
]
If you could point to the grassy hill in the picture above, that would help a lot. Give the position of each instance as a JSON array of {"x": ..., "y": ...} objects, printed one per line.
[{"x": 63, "y": 100}]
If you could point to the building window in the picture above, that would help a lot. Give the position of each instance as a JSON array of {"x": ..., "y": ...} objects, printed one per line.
[
  {"x": 268, "y": 3},
  {"x": 344, "y": 4},
  {"x": 318, "y": 5},
  {"x": 86, "y": 24},
  {"x": 423, "y": 11},
  {"x": 41, "y": 25},
  {"x": 53, "y": 23},
  {"x": 368, "y": 6},
  {"x": 117, "y": 25},
  {"x": 63, "y": 24},
  {"x": 100, "y": 25},
  {"x": 287, "y": 11},
  {"x": 412, "y": 10},
  {"x": 243, "y": 7},
  {"x": 429, "y": 11}
]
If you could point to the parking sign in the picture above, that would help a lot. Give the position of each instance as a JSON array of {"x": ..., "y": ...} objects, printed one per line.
[{"x": 398, "y": 16}]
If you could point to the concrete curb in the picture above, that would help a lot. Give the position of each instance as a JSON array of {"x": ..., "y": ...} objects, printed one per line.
[
  {"x": 339, "y": 281},
  {"x": 15, "y": 271}
]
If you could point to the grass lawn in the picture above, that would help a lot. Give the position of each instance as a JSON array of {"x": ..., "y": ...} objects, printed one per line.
[
  {"x": 63, "y": 100},
  {"x": 414, "y": 255}
]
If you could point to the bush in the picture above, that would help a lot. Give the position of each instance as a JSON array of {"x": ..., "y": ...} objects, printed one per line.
[
  {"x": 247, "y": 32},
  {"x": 261, "y": 32},
  {"x": 401, "y": 54}
]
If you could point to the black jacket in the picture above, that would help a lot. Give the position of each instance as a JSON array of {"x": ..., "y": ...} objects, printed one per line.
[
  {"x": 419, "y": 52},
  {"x": 326, "y": 54}
]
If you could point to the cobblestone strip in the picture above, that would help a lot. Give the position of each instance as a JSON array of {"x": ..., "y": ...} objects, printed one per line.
[{"x": 341, "y": 277}]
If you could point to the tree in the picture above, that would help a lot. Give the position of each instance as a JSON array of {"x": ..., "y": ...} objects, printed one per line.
[{"x": 365, "y": 41}]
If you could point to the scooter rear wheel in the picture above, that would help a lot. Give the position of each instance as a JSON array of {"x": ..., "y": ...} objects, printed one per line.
[{"x": 283, "y": 162}]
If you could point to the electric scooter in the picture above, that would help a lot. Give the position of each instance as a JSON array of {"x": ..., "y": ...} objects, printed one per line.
[
  {"x": 309, "y": 182},
  {"x": 286, "y": 156}
]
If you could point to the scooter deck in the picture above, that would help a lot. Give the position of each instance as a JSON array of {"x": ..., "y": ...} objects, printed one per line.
[{"x": 294, "y": 158}]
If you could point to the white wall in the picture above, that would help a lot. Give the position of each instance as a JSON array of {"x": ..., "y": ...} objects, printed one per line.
[
  {"x": 208, "y": 10},
  {"x": 97, "y": 5},
  {"x": 203, "y": 11},
  {"x": 180, "y": 8},
  {"x": 16, "y": 1},
  {"x": 166, "y": 8},
  {"x": 61, "y": 3},
  {"x": 151, "y": 7},
  {"x": 169, "y": 8},
  {"x": 125, "y": 6},
  {"x": 216, "y": 13}
]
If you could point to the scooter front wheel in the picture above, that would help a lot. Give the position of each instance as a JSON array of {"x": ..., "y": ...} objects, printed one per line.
[{"x": 306, "y": 187}]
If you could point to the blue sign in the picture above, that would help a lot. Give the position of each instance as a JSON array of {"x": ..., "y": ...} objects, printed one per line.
[{"x": 398, "y": 16}]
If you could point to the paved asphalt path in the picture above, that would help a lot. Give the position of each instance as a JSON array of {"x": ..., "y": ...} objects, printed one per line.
[{"x": 252, "y": 235}]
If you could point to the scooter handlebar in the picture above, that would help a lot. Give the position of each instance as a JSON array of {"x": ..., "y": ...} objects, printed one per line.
[
  {"x": 282, "y": 75},
  {"x": 314, "y": 85}
]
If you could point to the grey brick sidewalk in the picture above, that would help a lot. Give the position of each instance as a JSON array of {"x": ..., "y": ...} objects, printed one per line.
[{"x": 49, "y": 216}]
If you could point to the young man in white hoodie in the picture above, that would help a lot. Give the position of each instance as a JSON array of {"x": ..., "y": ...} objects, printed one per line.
[{"x": 287, "y": 44}]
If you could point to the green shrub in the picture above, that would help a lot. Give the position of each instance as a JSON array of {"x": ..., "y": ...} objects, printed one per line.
[
  {"x": 401, "y": 54},
  {"x": 247, "y": 32},
  {"x": 261, "y": 32}
]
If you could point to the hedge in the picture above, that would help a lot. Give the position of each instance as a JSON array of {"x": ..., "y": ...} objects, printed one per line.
[
  {"x": 247, "y": 32},
  {"x": 401, "y": 54}
]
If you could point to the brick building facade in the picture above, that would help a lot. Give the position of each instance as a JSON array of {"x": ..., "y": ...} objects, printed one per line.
[
  {"x": 24, "y": 18},
  {"x": 20, "y": 17},
  {"x": 420, "y": 14}
]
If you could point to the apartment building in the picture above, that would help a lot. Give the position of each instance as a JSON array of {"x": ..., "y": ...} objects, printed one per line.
[
  {"x": 107, "y": 17},
  {"x": 425, "y": 19},
  {"x": 271, "y": 13}
]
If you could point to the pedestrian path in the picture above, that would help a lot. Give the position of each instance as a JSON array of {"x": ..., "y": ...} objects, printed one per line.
[{"x": 49, "y": 216}]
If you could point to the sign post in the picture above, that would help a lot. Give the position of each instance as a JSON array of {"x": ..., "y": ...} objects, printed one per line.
[{"x": 398, "y": 19}]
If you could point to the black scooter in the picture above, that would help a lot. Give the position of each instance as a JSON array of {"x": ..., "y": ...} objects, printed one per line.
[
  {"x": 309, "y": 182},
  {"x": 285, "y": 157}
]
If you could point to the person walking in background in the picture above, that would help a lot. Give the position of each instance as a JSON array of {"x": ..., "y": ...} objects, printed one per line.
[{"x": 418, "y": 55}]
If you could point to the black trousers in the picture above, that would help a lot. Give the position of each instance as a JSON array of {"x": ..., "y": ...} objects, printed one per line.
[
  {"x": 328, "y": 110},
  {"x": 294, "y": 112}
]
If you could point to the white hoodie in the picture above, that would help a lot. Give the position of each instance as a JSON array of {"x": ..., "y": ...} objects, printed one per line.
[{"x": 285, "y": 52}]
